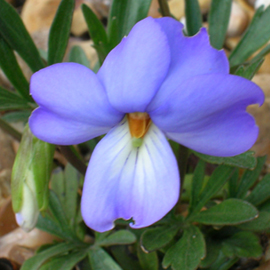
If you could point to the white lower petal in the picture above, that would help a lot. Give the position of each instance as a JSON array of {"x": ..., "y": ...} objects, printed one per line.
[{"x": 123, "y": 181}]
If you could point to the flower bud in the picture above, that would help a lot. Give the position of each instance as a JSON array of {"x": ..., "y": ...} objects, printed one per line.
[{"x": 29, "y": 179}]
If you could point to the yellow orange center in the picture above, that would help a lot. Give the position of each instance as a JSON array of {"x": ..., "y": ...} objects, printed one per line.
[{"x": 139, "y": 124}]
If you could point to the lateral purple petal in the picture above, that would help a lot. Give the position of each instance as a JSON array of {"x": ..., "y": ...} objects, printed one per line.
[
  {"x": 134, "y": 70},
  {"x": 70, "y": 93},
  {"x": 208, "y": 114},
  {"x": 191, "y": 56},
  {"x": 52, "y": 128},
  {"x": 127, "y": 182}
]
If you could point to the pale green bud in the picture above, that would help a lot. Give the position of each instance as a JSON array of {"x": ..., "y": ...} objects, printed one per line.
[{"x": 29, "y": 181}]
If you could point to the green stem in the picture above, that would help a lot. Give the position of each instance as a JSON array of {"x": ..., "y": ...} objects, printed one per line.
[
  {"x": 10, "y": 130},
  {"x": 164, "y": 8},
  {"x": 73, "y": 159}
]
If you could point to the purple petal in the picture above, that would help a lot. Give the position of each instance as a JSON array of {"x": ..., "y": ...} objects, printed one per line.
[
  {"x": 123, "y": 181},
  {"x": 191, "y": 56},
  {"x": 52, "y": 128},
  {"x": 134, "y": 70},
  {"x": 72, "y": 102},
  {"x": 208, "y": 114}
]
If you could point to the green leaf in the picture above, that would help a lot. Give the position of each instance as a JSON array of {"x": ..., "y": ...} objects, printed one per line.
[
  {"x": 257, "y": 34},
  {"x": 97, "y": 33},
  {"x": 57, "y": 210},
  {"x": 228, "y": 212},
  {"x": 249, "y": 178},
  {"x": 77, "y": 55},
  {"x": 249, "y": 70},
  {"x": 214, "y": 184},
  {"x": 261, "y": 223},
  {"x": 65, "y": 262},
  {"x": 223, "y": 262},
  {"x": 232, "y": 184},
  {"x": 124, "y": 258},
  {"x": 261, "y": 54},
  {"x": 121, "y": 237},
  {"x": 12, "y": 70},
  {"x": 46, "y": 224},
  {"x": 11, "y": 101},
  {"x": 212, "y": 253},
  {"x": 59, "y": 32},
  {"x": 193, "y": 17},
  {"x": 123, "y": 16},
  {"x": 36, "y": 261},
  {"x": 218, "y": 22},
  {"x": 100, "y": 260},
  {"x": 72, "y": 181},
  {"x": 187, "y": 253},
  {"x": 197, "y": 184},
  {"x": 261, "y": 192},
  {"x": 18, "y": 116},
  {"x": 153, "y": 239},
  {"x": 242, "y": 244},
  {"x": 245, "y": 160},
  {"x": 148, "y": 261},
  {"x": 15, "y": 34}
]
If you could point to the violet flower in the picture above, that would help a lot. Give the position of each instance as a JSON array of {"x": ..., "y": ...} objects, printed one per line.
[{"x": 156, "y": 84}]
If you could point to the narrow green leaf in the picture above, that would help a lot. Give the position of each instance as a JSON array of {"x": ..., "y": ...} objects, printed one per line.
[
  {"x": 249, "y": 178},
  {"x": 12, "y": 70},
  {"x": 36, "y": 261},
  {"x": 242, "y": 244},
  {"x": 223, "y": 262},
  {"x": 124, "y": 258},
  {"x": 261, "y": 192},
  {"x": 148, "y": 261},
  {"x": 257, "y": 34},
  {"x": 187, "y": 253},
  {"x": 101, "y": 260},
  {"x": 123, "y": 16},
  {"x": 233, "y": 184},
  {"x": 46, "y": 224},
  {"x": 261, "y": 223},
  {"x": 261, "y": 54},
  {"x": 72, "y": 181},
  {"x": 218, "y": 22},
  {"x": 121, "y": 237},
  {"x": 153, "y": 239},
  {"x": 15, "y": 34},
  {"x": 228, "y": 212},
  {"x": 249, "y": 70},
  {"x": 18, "y": 116},
  {"x": 245, "y": 160},
  {"x": 59, "y": 215},
  {"x": 193, "y": 17},
  {"x": 60, "y": 30},
  {"x": 197, "y": 184},
  {"x": 214, "y": 184},
  {"x": 64, "y": 262},
  {"x": 77, "y": 55},
  {"x": 57, "y": 184},
  {"x": 212, "y": 253},
  {"x": 11, "y": 101},
  {"x": 97, "y": 33}
]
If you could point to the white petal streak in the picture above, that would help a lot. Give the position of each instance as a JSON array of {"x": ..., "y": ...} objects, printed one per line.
[{"x": 127, "y": 182}]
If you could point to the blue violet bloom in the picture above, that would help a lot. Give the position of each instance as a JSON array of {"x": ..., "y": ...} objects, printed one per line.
[{"x": 156, "y": 84}]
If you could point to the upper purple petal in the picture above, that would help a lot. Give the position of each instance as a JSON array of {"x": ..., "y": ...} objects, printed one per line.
[
  {"x": 123, "y": 181},
  {"x": 134, "y": 70},
  {"x": 191, "y": 56},
  {"x": 73, "y": 103},
  {"x": 208, "y": 114}
]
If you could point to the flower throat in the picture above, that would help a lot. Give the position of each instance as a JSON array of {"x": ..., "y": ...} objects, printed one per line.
[{"x": 139, "y": 123}]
